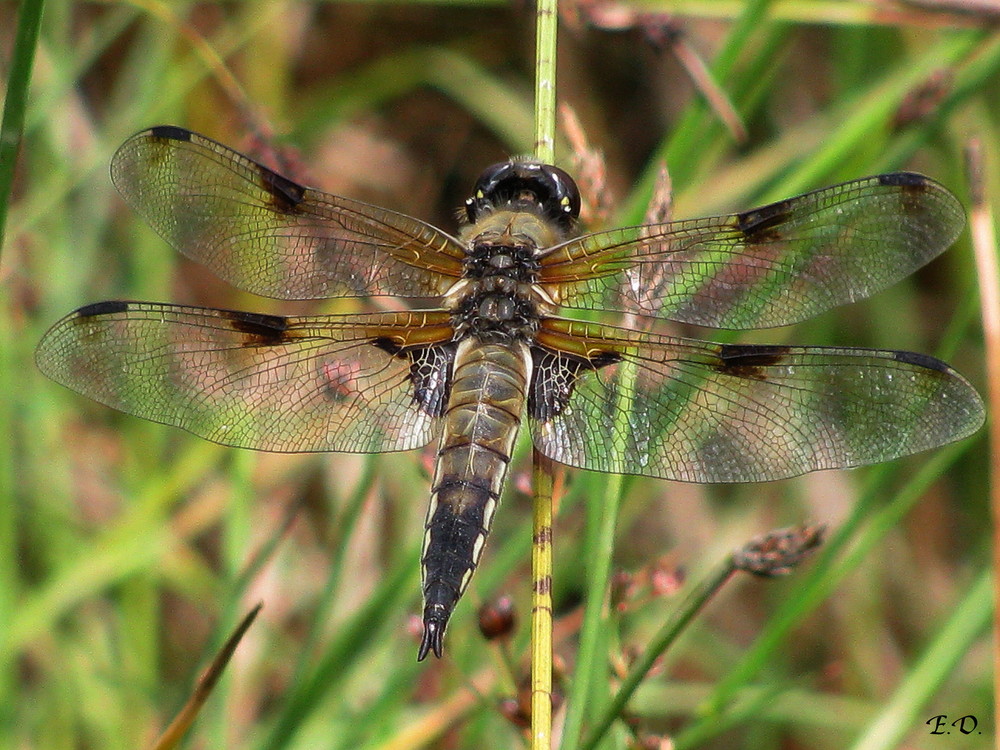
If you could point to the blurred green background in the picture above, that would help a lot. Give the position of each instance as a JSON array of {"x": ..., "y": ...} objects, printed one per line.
[{"x": 130, "y": 549}]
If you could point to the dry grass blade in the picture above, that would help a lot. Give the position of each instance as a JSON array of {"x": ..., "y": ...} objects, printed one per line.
[
  {"x": 173, "y": 734},
  {"x": 982, "y": 225}
]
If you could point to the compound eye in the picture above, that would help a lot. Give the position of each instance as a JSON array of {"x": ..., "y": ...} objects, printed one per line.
[
  {"x": 486, "y": 186},
  {"x": 546, "y": 188},
  {"x": 565, "y": 193}
]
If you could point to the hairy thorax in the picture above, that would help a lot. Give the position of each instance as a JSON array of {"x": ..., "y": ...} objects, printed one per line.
[{"x": 498, "y": 298}]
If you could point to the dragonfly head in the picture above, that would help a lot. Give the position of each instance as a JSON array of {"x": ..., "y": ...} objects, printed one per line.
[{"x": 529, "y": 185}]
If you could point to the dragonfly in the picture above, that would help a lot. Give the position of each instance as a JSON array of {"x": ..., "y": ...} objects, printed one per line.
[{"x": 498, "y": 346}]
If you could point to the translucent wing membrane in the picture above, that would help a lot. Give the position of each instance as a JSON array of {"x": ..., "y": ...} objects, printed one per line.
[
  {"x": 702, "y": 412},
  {"x": 328, "y": 383},
  {"x": 266, "y": 234},
  {"x": 767, "y": 267}
]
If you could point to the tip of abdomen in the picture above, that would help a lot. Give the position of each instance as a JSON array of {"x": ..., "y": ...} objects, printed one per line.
[{"x": 435, "y": 620}]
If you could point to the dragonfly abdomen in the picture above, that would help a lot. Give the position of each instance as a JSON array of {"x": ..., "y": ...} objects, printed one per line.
[{"x": 484, "y": 413}]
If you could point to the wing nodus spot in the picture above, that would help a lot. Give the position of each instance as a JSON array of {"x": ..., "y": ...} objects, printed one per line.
[
  {"x": 760, "y": 224},
  {"x": 285, "y": 194},
  {"x": 749, "y": 361},
  {"x": 258, "y": 329}
]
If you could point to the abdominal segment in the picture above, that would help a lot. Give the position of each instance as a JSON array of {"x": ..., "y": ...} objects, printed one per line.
[{"x": 480, "y": 426}]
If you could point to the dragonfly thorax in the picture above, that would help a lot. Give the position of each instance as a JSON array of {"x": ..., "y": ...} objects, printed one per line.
[
  {"x": 496, "y": 309},
  {"x": 489, "y": 259},
  {"x": 498, "y": 298}
]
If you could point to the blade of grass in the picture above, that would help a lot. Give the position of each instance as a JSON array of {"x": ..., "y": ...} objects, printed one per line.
[
  {"x": 345, "y": 525},
  {"x": 698, "y": 126},
  {"x": 11, "y": 584},
  {"x": 345, "y": 652},
  {"x": 830, "y": 12},
  {"x": 12, "y": 128},
  {"x": 972, "y": 72},
  {"x": 174, "y": 733},
  {"x": 602, "y": 520},
  {"x": 693, "y": 603},
  {"x": 498, "y": 106},
  {"x": 984, "y": 244},
  {"x": 871, "y": 115},
  {"x": 135, "y": 543}
]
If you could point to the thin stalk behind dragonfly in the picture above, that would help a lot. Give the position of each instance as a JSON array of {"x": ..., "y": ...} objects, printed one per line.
[
  {"x": 546, "y": 29},
  {"x": 541, "y": 602}
]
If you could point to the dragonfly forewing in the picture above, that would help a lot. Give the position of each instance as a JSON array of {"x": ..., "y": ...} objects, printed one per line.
[
  {"x": 268, "y": 235},
  {"x": 771, "y": 266}
]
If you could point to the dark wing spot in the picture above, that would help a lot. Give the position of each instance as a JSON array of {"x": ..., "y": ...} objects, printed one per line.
[
  {"x": 258, "y": 329},
  {"x": 110, "y": 307},
  {"x": 388, "y": 345},
  {"x": 554, "y": 377},
  {"x": 762, "y": 224},
  {"x": 921, "y": 360},
  {"x": 285, "y": 194},
  {"x": 749, "y": 361},
  {"x": 170, "y": 133},
  {"x": 903, "y": 179}
]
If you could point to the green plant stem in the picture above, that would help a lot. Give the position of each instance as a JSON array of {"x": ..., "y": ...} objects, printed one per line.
[
  {"x": 546, "y": 30},
  {"x": 665, "y": 636},
  {"x": 545, "y": 80}
]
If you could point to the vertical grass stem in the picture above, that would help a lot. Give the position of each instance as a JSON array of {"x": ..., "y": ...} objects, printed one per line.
[
  {"x": 541, "y": 604},
  {"x": 541, "y": 549},
  {"x": 545, "y": 80},
  {"x": 982, "y": 225}
]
